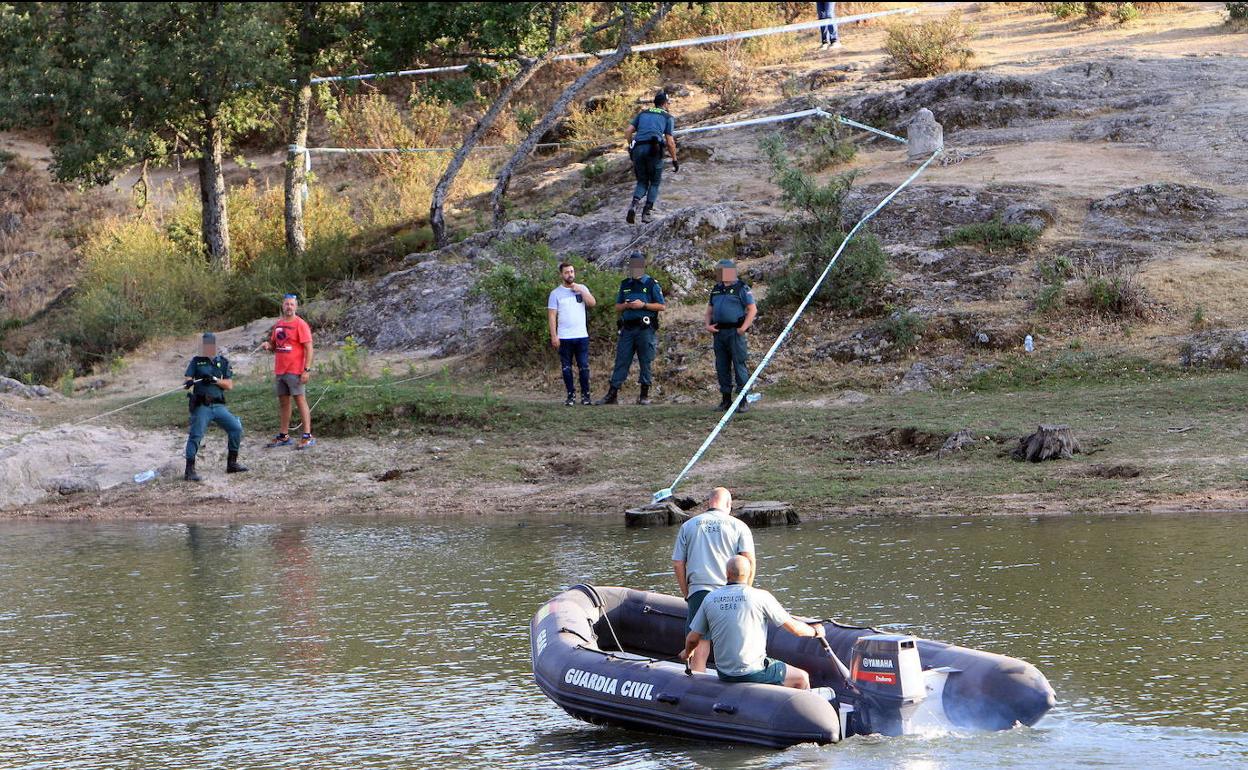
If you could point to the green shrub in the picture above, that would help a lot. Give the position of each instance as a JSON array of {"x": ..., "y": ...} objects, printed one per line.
[
  {"x": 346, "y": 364},
  {"x": 519, "y": 287},
  {"x": 46, "y": 362},
  {"x": 993, "y": 236},
  {"x": 1114, "y": 290},
  {"x": 1120, "y": 12},
  {"x": 1053, "y": 274},
  {"x": 637, "y": 72},
  {"x": 903, "y": 328},
  {"x": 727, "y": 74},
  {"x": 861, "y": 270},
  {"x": 594, "y": 169},
  {"x": 831, "y": 146},
  {"x": 1237, "y": 14},
  {"x": 606, "y": 121},
  {"x": 931, "y": 47}
]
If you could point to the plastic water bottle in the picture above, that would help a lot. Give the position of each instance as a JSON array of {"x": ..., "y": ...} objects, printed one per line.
[
  {"x": 752, "y": 397},
  {"x": 145, "y": 476},
  {"x": 1028, "y": 345}
]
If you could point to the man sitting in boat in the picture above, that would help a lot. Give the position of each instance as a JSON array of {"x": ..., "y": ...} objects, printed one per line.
[
  {"x": 735, "y": 618},
  {"x": 700, "y": 557}
]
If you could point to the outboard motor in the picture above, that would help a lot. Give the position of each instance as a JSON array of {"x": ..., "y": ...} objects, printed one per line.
[{"x": 886, "y": 668}]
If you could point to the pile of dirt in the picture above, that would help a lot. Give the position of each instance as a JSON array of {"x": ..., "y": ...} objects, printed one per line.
[{"x": 897, "y": 441}]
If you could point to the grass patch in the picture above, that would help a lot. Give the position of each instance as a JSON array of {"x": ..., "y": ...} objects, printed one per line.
[
  {"x": 993, "y": 236},
  {"x": 354, "y": 408},
  {"x": 1021, "y": 372}
]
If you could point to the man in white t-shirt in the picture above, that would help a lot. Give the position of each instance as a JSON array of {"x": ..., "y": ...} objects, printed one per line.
[{"x": 569, "y": 333}]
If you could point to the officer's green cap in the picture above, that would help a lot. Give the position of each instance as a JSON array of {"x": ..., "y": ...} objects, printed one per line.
[
  {"x": 210, "y": 338},
  {"x": 637, "y": 256},
  {"x": 726, "y": 263}
]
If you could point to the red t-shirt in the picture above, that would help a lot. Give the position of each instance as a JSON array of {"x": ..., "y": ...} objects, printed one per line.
[{"x": 288, "y": 339}]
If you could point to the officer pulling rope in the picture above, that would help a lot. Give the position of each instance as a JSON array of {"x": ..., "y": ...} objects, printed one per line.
[{"x": 208, "y": 376}]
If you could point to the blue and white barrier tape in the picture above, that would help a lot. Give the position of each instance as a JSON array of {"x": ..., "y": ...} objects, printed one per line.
[{"x": 663, "y": 494}]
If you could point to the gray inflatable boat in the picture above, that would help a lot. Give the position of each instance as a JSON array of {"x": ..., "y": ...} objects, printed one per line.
[{"x": 607, "y": 656}]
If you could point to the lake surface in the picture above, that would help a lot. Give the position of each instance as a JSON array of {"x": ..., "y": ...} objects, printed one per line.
[{"x": 404, "y": 644}]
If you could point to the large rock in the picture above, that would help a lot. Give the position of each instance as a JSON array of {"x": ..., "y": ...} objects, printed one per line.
[
  {"x": 1169, "y": 211},
  {"x": 18, "y": 388},
  {"x": 1216, "y": 349},
  {"x": 923, "y": 215}
]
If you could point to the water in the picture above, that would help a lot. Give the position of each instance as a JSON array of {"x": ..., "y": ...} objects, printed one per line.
[{"x": 403, "y": 644}]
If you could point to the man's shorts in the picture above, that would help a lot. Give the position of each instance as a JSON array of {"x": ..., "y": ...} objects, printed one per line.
[
  {"x": 773, "y": 672},
  {"x": 288, "y": 385},
  {"x": 693, "y": 601}
]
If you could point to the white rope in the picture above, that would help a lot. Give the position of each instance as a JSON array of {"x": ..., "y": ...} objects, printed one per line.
[
  {"x": 682, "y": 43},
  {"x": 663, "y": 494}
]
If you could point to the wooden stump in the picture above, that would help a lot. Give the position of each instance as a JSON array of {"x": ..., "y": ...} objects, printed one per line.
[
  {"x": 767, "y": 513},
  {"x": 1049, "y": 442},
  {"x": 655, "y": 515}
]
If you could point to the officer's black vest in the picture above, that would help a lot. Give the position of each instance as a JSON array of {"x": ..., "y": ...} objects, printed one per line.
[
  {"x": 204, "y": 368},
  {"x": 631, "y": 319},
  {"x": 738, "y": 290}
]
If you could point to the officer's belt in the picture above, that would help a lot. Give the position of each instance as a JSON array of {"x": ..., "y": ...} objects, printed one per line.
[
  {"x": 730, "y": 324},
  {"x": 637, "y": 323}
]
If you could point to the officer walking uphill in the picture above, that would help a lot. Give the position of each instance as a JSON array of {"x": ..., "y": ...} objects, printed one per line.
[
  {"x": 648, "y": 134},
  {"x": 208, "y": 376},
  {"x": 639, "y": 302},
  {"x": 729, "y": 316}
]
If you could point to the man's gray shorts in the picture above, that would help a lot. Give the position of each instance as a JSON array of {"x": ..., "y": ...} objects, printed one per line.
[{"x": 288, "y": 385}]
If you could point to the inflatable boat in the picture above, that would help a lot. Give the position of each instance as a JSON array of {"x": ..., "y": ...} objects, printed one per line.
[{"x": 608, "y": 656}]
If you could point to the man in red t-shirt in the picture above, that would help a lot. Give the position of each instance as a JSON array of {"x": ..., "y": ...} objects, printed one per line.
[{"x": 290, "y": 341}]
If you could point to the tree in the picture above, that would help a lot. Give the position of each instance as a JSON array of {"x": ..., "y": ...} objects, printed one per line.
[
  {"x": 127, "y": 83},
  {"x": 630, "y": 35},
  {"x": 320, "y": 35}
]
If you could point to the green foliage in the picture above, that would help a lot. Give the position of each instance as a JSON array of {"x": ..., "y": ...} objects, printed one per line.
[
  {"x": 727, "y": 74},
  {"x": 1030, "y": 371},
  {"x": 993, "y": 236},
  {"x": 46, "y": 361},
  {"x": 1115, "y": 291},
  {"x": 831, "y": 147},
  {"x": 346, "y": 364},
  {"x": 1198, "y": 318},
  {"x": 903, "y": 328},
  {"x": 930, "y": 47},
  {"x": 637, "y": 72},
  {"x": 1119, "y": 12},
  {"x": 1237, "y": 14},
  {"x": 862, "y": 268},
  {"x": 1053, "y": 275},
  {"x": 607, "y": 120},
  {"x": 1125, "y": 13},
  {"x": 519, "y": 287},
  {"x": 594, "y": 169}
]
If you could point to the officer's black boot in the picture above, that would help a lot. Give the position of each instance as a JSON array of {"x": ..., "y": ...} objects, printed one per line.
[
  {"x": 644, "y": 397},
  {"x": 631, "y": 216},
  {"x": 725, "y": 401},
  {"x": 745, "y": 406},
  {"x": 612, "y": 397},
  {"x": 646, "y": 213},
  {"x": 231, "y": 464},
  {"x": 190, "y": 474}
]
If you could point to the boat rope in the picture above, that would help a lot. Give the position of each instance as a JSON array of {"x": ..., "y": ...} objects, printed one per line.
[{"x": 669, "y": 491}]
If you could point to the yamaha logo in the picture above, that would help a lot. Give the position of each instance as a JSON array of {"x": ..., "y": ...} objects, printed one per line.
[{"x": 877, "y": 662}]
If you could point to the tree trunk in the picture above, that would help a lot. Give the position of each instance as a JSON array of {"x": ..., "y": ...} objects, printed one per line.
[
  {"x": 628, "y": 38},
  {"x": 296, "y": 240},
  {"x": 214, "y": 222},
  {"x": 437, "y": 220},
  {"x": 1049, "y": 442}
]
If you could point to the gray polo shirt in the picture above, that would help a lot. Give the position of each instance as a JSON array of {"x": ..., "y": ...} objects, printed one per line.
[
  {"x": 735, "y": 619},
  {"x": 705, "y": 543}
]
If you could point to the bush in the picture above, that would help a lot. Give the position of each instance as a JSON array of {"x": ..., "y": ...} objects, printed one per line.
[
  {"x": 726, "y": 74},
  {"x": 930, "y": 47},
  {"x": 1053, "y": 274},
  {"x": 1120, "y": 12},
  {"x": 993, "y": 236},
  {"x": 606, "y": 120},
  {"x": 903, "y": 328},
  {"x": 594, "y": 169},
  {"x": 1114, "y": 290},
  {"x": 637, "y": 72},
  {"x": 799, "y": 191},
  {"x": 519, "y": 287},
  {"x": 46, "y": 361},
  {"x": 1237, "y": 14},
  {"x": 831, "y": 147}
]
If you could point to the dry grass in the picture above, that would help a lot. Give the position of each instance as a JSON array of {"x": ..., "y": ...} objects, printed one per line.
[{"x": 930, "y": 48}]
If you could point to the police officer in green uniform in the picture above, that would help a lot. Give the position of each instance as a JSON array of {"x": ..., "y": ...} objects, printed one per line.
[
  {"x": 639, "y": 302},
  {"x": 648, "y": 134},
  {"x": 208, "y": 376},
  {"x": 729, "y": 316}
]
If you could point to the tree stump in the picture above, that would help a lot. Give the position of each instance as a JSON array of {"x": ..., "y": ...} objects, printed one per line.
[
  {"x": 1049, "y": 442},
  {"x": 767, "y": 513},
  {"x": 655, "y": 515}
]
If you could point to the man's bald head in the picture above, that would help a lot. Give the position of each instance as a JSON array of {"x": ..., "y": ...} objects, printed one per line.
[
  {"x": 720, "y": 498},
  {"x": 738, "y": 569}
]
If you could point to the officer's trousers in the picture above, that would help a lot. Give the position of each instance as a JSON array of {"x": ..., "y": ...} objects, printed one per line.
[
  {"x": 730, "y": 353},
  {"x": 204, "y": 414},
  {"x": 641, "y": 342},
  {"x": 648, "y": 169}
]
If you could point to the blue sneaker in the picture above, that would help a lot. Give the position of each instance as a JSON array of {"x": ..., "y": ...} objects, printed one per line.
[
  {"x": 306, "y": 441},
  {"x": 280, "y": 439}
]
